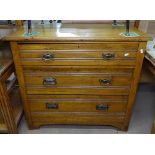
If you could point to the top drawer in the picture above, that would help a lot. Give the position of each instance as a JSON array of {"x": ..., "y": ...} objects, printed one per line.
[{"x": 78, "y": 54}]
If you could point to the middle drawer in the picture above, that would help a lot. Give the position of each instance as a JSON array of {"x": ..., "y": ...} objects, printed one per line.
[
  {"x": 70, "y": 77},
  {"x": 77, "y": 81}
]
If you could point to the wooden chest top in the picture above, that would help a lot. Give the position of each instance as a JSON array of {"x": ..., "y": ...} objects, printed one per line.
[{"x": 76, "y": 32}]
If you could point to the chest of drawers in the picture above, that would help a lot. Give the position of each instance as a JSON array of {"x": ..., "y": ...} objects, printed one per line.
[{"x": 78, "y": 81}]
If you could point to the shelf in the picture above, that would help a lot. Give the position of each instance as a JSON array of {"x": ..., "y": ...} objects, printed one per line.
[
  {"x": 4, "y": 64},
  {"x": 10, "y": 85},
  {"x": 16, "y": 108},
  {"x": 3, "y": 128},
  {"x": 16, "y": 105}
]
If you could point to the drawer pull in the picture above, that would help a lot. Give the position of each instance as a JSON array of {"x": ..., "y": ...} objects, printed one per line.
[
  {"x": 47, "y": 57},
  {"x": 52, "y": 106},
  {"x": 101, "y": 107},
  {"x": 105, "y": 81},
  {"x": 49, "y": 81},
  {"x": 108, "y": 56}
]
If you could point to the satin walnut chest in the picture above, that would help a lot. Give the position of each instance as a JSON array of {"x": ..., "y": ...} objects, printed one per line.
[{"x": 78, "y": 75}]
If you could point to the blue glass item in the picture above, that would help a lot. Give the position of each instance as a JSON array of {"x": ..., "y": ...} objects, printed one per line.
[
  {"x": 129, "y": 34},
  {"x": 32, "y": 34}
]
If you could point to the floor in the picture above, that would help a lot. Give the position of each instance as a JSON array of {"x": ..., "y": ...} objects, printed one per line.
[{"x": 141, "y": 120}]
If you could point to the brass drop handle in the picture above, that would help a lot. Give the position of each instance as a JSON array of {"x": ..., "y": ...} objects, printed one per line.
[
  {"x": 102, "y": 107},
  {"x": 108, "y": 56},
  {"x": 52, "y": 106},
  {"x": 47, "y": 56},
  {"x": 105, "y": 81},
  {"x": 49, "y": 81}
]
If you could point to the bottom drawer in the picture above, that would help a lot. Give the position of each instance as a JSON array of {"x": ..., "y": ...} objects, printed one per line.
[
  {"x": 77, "y": 103},
  {"x": 76, "y": 118}
]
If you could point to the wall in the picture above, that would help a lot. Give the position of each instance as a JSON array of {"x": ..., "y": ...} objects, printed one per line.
[{"x": 147, "y": 26}]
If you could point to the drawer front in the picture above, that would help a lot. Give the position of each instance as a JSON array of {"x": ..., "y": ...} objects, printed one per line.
[
  {"x": 76, "y": 105},
  {"x": 77, "y": 79},
  {"x": 76, "y": 76},
  {"x": 48, "y": 59},
  {"x": 78, "y": 54}
]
